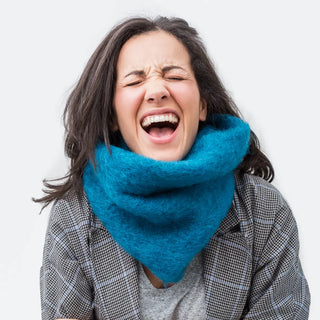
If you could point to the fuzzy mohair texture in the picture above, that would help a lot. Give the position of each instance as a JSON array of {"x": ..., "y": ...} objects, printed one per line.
[{"x": 164, "y": 212}]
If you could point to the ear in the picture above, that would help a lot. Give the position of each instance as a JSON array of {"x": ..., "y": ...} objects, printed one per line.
[
  {"x": 114, "y": 124},
  {"x": 203, "y": 110}
]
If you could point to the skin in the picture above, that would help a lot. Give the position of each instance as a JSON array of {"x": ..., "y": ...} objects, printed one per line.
[{"x": 154, "y": 75}]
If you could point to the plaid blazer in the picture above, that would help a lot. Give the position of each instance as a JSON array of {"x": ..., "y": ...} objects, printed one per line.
[{"x": 251, "y": 268}]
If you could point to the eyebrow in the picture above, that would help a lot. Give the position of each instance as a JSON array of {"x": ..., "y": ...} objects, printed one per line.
[{"x": 141, "y": 72}]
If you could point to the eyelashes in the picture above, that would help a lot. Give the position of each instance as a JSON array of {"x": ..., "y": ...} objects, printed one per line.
[
  {"x": 175, "y": 78},
  {"x": 134, "y": 83},
  {"x": 131, "y": 84}
]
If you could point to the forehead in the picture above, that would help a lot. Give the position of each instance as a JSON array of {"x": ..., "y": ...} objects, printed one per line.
[{"x": 154, "y": 48}]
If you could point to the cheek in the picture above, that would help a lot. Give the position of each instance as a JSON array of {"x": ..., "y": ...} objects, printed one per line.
[
  {"x": 181, "y": 89},
  {"x": 126, "y": 104},
  {"x": 186, "y": 94}
]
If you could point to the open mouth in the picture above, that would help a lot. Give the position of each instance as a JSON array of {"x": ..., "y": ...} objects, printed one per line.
[{"x": 160, "y": 125}]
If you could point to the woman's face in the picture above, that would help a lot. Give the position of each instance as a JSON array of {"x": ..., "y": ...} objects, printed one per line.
[{"x": 157, "y": 100}]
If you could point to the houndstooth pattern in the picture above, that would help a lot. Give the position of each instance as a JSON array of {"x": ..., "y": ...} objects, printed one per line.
[{"x": 251, "y": 267}]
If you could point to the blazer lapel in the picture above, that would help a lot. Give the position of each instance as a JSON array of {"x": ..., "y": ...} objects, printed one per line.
[
  {"x": 115, "y": 275},
  {"x": 227, "y": 270}
]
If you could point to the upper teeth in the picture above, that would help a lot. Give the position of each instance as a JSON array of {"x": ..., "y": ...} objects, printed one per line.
[{"x": 170, "y": 117}]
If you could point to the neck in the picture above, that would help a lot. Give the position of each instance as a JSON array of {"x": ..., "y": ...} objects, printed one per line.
[{"x": 155, "y": 281}]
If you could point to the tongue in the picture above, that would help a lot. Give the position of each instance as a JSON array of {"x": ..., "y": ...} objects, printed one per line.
[{"x": 161, "y": 132}]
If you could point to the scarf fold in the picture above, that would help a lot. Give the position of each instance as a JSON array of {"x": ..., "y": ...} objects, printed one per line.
[{"x": 164, "y": 213}]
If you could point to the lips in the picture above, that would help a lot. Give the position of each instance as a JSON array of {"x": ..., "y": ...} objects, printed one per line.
[{"x": 161, "y": 125}]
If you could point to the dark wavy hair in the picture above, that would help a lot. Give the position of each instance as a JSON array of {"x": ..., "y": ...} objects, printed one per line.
[{"x": 89, "y": 113}]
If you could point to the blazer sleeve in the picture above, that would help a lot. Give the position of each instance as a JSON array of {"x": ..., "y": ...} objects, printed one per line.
[
  {"x": 279, "y": 288},
  {"x": 64, "y": 286}
]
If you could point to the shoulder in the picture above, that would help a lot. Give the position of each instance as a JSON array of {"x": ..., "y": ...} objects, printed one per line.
[
  {"x": 263, "y": 212},
  {"x": 258, "y": 198},
  {"x": 73, "y": 211},
  {"x": 71, "y": 224},
  {"x": 255, "y": 191}
]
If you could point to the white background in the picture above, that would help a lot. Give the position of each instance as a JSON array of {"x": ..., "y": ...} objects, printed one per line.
[{"x": 266, "y": 52}]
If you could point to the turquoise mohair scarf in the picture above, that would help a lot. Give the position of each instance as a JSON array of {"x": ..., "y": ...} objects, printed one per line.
[{"x": 164, "y": 213}]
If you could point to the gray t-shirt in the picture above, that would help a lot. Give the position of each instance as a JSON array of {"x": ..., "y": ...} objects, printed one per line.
[{"x": 184, "y": 300}]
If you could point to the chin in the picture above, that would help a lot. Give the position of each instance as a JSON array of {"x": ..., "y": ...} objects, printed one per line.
[{"x": 165, "y": 156}]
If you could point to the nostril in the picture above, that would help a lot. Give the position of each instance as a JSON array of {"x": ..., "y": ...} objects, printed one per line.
[{"x": 156, "y": 95}]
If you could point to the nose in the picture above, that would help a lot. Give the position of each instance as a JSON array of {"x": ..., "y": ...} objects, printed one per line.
[{"x": 156, "y": 92}]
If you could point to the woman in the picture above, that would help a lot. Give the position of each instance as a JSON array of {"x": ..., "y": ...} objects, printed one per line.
[{"x": 167, "y": 212}]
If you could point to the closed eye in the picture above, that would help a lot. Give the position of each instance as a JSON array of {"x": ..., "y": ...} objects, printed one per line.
[
  {"x": 133, "y": 83},
  {"x": 175, "y": 78}
]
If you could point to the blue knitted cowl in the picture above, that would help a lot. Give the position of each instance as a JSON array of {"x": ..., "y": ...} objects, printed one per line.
[{"x": 163, "y": 213}]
